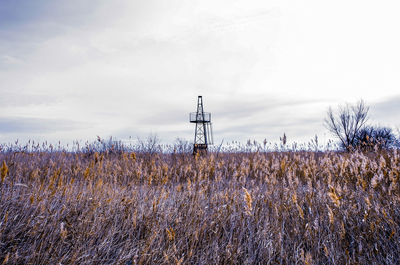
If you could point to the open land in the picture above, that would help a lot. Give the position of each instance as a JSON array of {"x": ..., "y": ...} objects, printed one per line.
[{"x": 226, "y": 208}]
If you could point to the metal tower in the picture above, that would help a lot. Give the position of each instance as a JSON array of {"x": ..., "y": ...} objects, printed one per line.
[{"x": 203, "y": 133}]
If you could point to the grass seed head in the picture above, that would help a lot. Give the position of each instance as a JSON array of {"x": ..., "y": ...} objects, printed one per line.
[
  {"x": 4, "y": 171},
  {"x": 248, "y": 200}
]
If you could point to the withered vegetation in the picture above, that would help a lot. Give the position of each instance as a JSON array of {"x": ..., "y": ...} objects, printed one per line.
[{"x": 236, "y": 208}]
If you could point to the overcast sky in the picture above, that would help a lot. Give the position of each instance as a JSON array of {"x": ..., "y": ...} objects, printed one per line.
[{"x": 72, "y": 70}]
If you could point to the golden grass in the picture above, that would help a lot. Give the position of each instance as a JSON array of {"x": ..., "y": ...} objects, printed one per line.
[{"x": 253, "y": 208}]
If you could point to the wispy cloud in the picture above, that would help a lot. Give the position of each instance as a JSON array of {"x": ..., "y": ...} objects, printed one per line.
[
  {"x": 386, "y": 112},
  {"x": 14, "y": 99},
  {"x": 250, "y": 106},
  {"x": 24, "y": 125}
]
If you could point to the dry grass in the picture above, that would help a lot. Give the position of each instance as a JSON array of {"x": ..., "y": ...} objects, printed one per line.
[{"x": 253, "y": 208}]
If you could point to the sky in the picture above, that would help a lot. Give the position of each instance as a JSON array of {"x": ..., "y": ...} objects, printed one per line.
[{"x": 78, "y": 69}]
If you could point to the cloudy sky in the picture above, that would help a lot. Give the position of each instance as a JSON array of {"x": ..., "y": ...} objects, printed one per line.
[{"x": 72, "y": 70}]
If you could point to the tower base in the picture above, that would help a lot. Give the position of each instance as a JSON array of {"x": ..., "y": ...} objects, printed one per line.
[{"x": 199, "y": 148}]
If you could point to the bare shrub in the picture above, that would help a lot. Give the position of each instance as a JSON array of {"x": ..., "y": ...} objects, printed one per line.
[
  {"x": 150, "y": 145},
  {"x": 374, "y": 137},
  {"x": 346, "y": 122}
]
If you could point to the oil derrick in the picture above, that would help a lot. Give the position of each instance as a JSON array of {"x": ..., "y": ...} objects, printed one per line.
[{"x": 203, "y": 133}]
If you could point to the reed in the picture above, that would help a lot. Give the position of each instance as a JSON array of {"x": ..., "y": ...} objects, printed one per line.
[{"x": 230, "y": 208}]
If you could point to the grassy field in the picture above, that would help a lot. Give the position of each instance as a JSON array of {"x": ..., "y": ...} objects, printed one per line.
[{"x": 230, "y": 208}]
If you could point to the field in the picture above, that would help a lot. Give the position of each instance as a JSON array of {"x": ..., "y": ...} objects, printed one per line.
[{"x": 223, "y": 208}]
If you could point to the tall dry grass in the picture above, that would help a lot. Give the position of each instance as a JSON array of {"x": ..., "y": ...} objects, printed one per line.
[{"x": 238, "y": 208}]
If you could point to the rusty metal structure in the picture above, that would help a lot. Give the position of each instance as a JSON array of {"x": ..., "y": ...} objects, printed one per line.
[{"x": 203, "y": 136}]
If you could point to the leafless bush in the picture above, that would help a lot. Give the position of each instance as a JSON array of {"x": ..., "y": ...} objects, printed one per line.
[
  {"x": 375, "y": 137},
  {"x": 182, "y": 146},
  {"x": 150, "y": 145},
  {"x": 346, "y": 122}
]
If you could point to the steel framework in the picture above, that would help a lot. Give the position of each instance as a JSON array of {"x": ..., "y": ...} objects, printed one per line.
[{"x": 203, "y": 132}]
